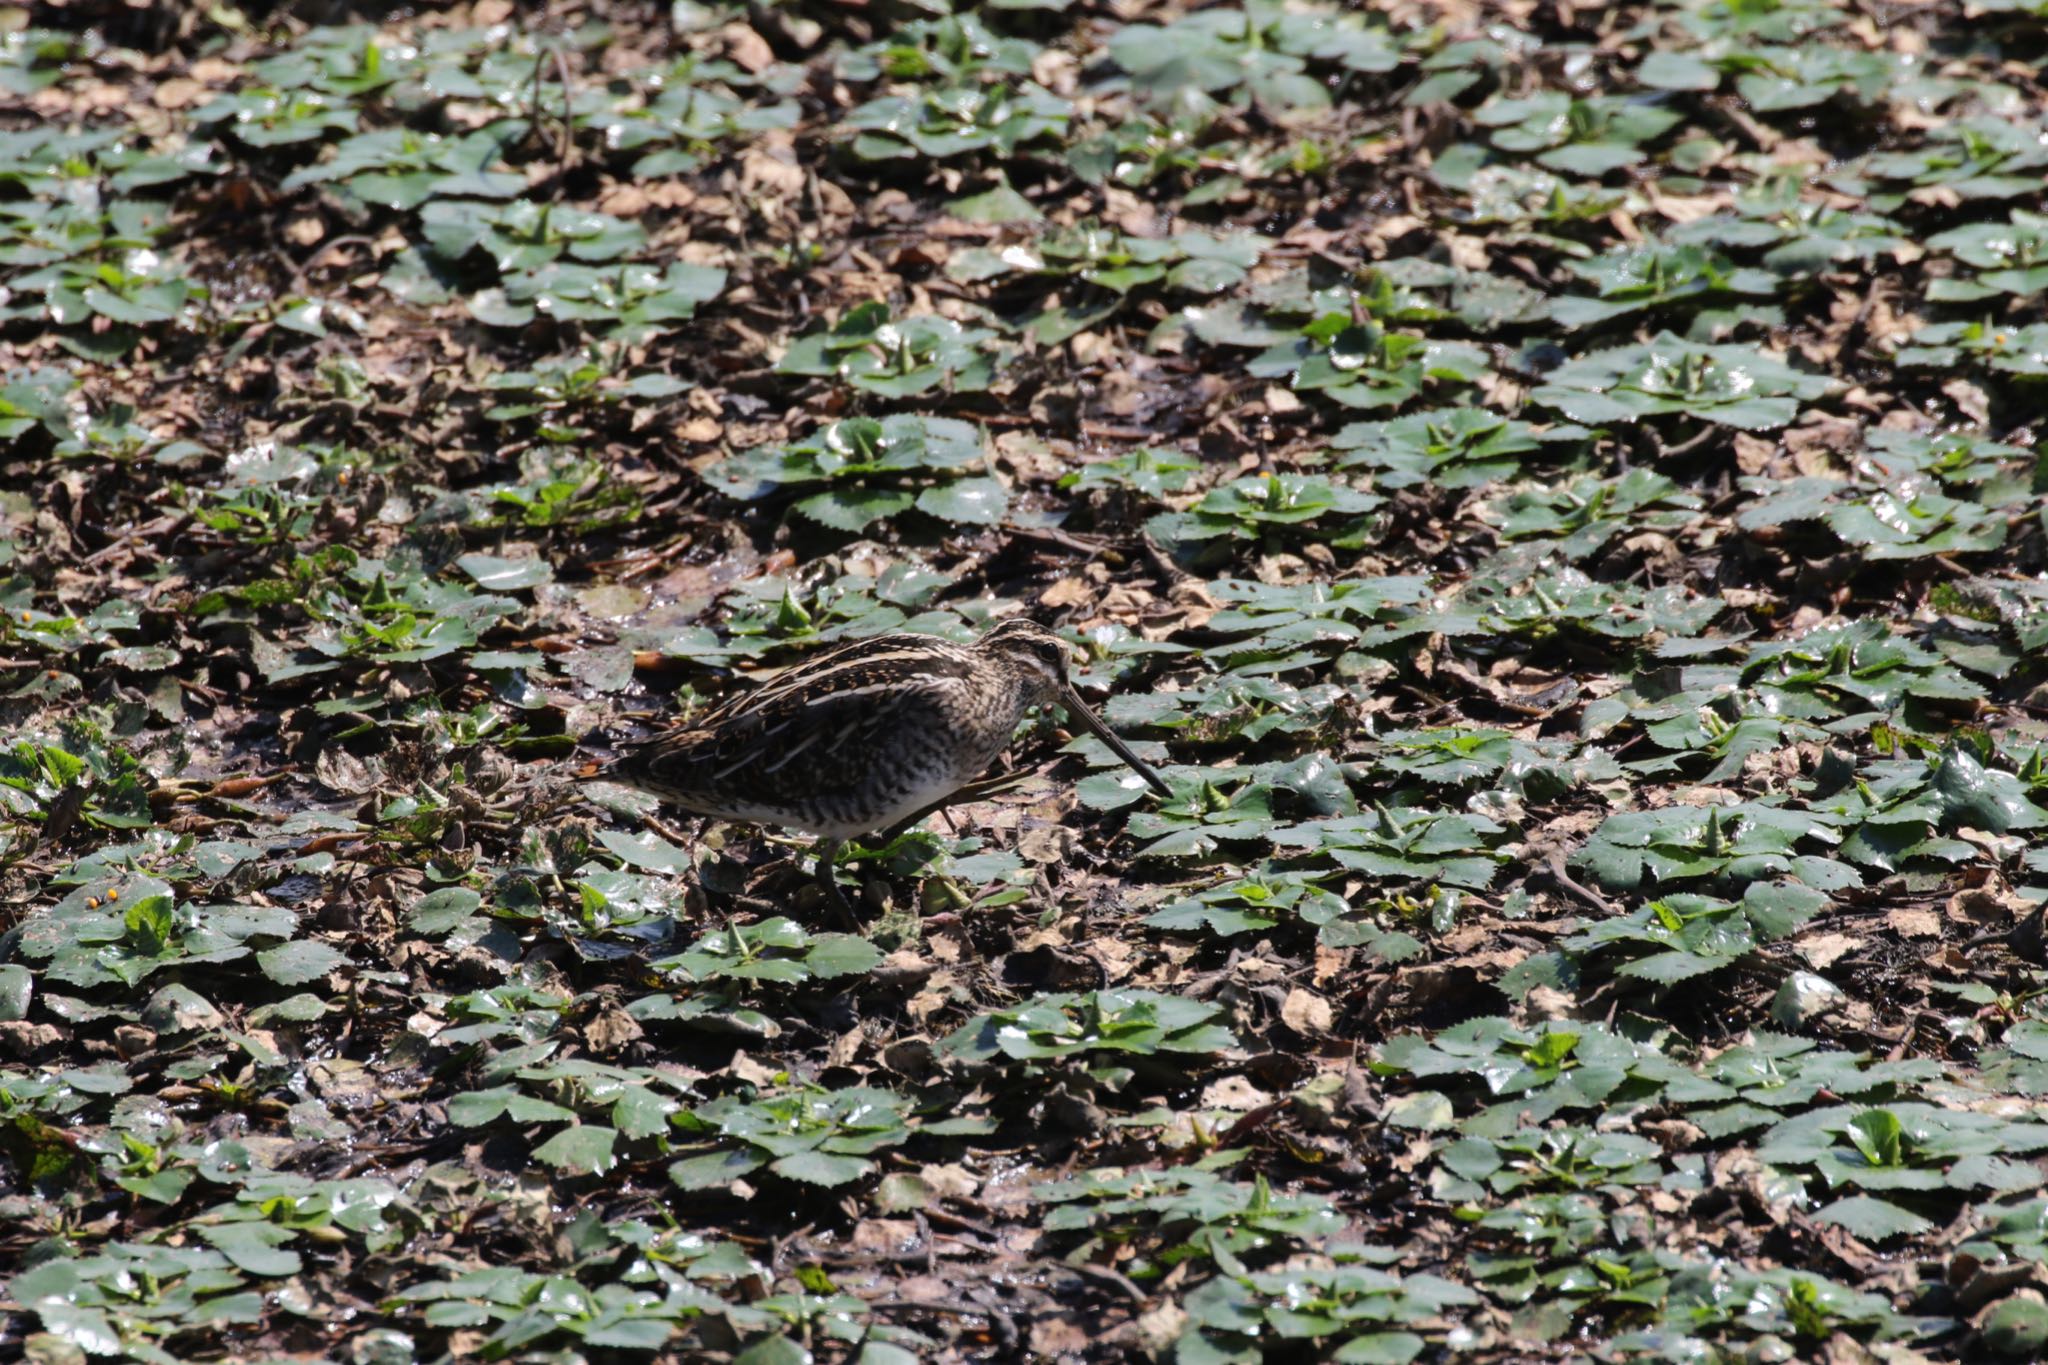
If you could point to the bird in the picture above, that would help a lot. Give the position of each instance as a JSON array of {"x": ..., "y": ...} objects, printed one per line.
[{"x": 865, "y": 737}]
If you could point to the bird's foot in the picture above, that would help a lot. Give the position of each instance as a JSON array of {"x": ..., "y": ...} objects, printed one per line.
[{"x": 828, "y": 882}]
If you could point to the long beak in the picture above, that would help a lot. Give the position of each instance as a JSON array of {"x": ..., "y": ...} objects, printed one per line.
[{"x": 1073, "y": 702}]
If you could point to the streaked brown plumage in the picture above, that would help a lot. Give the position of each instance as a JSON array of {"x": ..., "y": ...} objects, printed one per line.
[{"x": 866, "y": 735}]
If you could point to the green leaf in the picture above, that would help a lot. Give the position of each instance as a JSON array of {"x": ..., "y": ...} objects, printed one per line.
[
  {"x": 301, "y": 961},
  {"x": 821, "y": 1168},
  {"x": 17, "y": 988},
  {"x": 855, "y": 509},
  {"x": 162, "y": 1187},
  {"x": 631, "y": 1334},
  {"x": 836, "y": 955},
  {"x": 975, "y": 502},
  {"x": 437, "y": 912},
  {"x": 1873, "y": 1220},
  {"x": 255, "y": 1247},
  {"x": 1380, "y": 1348},
  {"x": 2017, "y": 1327},
  {"x": 1877, "y": 1134},
  {"x": 775, "y": 1350},
  {"x": 641, "y": 1113},
  {"x": 506, "y": 575},
  {"x": 646, "y": 850},
  {"x": 474, "y": 1108},
  {"x": 1001, "y": 204},
  {"x": 881, "y": 1352},
  {"x": 1677, "y": 71},
  {"x": 580, "y": 1149},
  {"x": 714, "y": 1170},
  {"x": 1985, "y": 798}
]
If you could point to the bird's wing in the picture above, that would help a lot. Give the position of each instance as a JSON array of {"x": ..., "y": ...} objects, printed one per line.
[{"x": 800, "y": 741}]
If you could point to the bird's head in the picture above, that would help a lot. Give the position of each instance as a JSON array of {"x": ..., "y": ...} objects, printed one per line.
[
  {"x": 1034, "y": 652},
  {"x": 1040, "y": 658}
]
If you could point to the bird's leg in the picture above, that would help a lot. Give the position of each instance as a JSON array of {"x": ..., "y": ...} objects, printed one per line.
[
  {"x": 665, "y": 830},
  {"x": 903, "y": 826},
  {"x": 828, "y": 881},
  {"x": 973, "y": 791}
]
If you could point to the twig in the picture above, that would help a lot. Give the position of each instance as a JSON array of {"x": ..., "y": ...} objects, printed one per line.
[
  {"x": 999, "y": 1322},
  {"x": 1555, "y": 866},
  {"x": 565, "y": 141},
  {"x": 533, "y": 101},
  {"x": 961, "y": 1222},
  {"x": 1116, "y": 1279},
  {"x": 1690, "y": 443},
  {"x": 163, "y": 530},
  {"x": 1763, "y": 135},
  {"x": 633, "y": 566},
  {"x": 782, "y": 1245},
  {"x": 566, "y": 149},
  {"x": 647, "y": 564},
  {"x": 665, "y": 830},
  {"x": 299, "y": 270},
  {"x": 1051, "y": 535},
  {"x": 1168, "y": 571}
]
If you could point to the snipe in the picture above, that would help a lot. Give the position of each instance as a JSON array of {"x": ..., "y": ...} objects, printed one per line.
[{"x": 866, "y": 736}]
